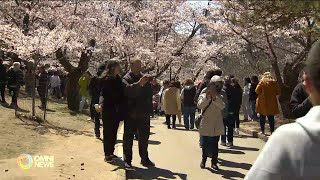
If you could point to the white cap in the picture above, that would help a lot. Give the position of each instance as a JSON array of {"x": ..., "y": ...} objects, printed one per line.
[{"x": 216, "y": 79}]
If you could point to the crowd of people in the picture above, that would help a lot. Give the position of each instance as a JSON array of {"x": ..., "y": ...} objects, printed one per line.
[{"x": 135, "y": 97}]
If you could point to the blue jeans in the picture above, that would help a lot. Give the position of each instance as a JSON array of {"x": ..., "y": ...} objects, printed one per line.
[
  {"x": 189, "y": 114},
  {"x": 253, "y": 109}
]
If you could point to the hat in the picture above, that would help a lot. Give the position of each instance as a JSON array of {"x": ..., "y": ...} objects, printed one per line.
[{"x": 216, "y": 79}]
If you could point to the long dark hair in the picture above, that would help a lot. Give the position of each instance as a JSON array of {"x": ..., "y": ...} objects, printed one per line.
[
  {"x": 247, "y": 80},
  {"x": 110, "y": 67}
]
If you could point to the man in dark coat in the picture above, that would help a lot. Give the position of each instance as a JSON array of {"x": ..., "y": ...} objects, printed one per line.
[
  {"x": 42, "y": 88},
  {"x": 253, "y": 96},
  {"x": 15, "y": 81},
  {"x": 139, "y": 93},
  {"x": 3, "y": 80},
  {"x": 300, "y": 102}
]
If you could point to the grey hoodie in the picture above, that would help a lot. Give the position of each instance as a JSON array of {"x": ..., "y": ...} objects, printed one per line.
[{"x": 292, "y": 152}]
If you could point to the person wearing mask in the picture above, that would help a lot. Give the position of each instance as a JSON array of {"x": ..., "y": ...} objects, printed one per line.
[
  {"x": 188, "y": 94},
  {"x": 300, "y": 103},
  {"x": 42, "y": 88},
  {"x": 3, "y": 81},
  {"x": 253, "y": 97},
  {"x": 211, "y": 126},
  {"x": 267, "y": 101},
  {"x": 55, "y": 84},
  {"x": 295, "y": 156},
  {"x": 206, "y": 81},
  {"x": 95, "y": 91},
  {"x": 172, "y": 104},
  {"x": 84, "y": 82},
  {"x": 113, "y": 105},
  {"x": 235, "y": 103},
  {"x": 247, "y": 112},
  {"x": 15, "y": 81},
  {"x": 138, "y": 90}
]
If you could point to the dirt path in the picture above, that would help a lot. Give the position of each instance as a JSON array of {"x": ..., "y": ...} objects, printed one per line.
[{"x": 69, "y": 138}]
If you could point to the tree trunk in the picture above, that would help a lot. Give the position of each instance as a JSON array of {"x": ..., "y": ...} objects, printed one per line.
[{"x": 73, "y": 97}]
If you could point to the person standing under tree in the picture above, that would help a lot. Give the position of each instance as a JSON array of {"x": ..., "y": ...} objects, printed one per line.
[
  {"x": 235, "y": 104},
  {"x": 139, "y": 93},
  {"x": 15, "y": 81},
  {"x": 247, "y": 112},
  {"x": 84, "y": 82},
  {"x": 114, "y": 106},
  {"x": 3, "y": 81},
  {"x": 188, "y": 94},
  {"x": 43, "y": 86},
  {"x": 253, "y": 97},
  {"x": 211, "y": 126},
  {"x": 267, "y": 102},
  {"x": 172, "y": 104}
]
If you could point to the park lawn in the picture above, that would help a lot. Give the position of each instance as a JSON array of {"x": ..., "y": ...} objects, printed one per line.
[{"x": 66, "y": 136}]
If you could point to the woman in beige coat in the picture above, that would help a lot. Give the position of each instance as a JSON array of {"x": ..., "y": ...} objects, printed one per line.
[
  {"x": 171, "y": 104},
  {"x": 211, "y": 126}
]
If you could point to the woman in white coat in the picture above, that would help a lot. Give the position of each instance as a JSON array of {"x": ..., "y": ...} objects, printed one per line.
[{"x": 211, "y": 127}]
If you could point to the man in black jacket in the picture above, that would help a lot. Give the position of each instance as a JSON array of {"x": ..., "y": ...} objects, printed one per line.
[
  {"x": 15, "y": 81},
  {"x": 43, "y": 86},
  {"x": 299, "y": 102},
  {"x": 3, "y": 80},
  {"x": 139, "y": 93}
]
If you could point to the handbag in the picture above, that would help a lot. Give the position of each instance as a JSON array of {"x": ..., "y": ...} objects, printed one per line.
[{"x": 199, "y": 118}]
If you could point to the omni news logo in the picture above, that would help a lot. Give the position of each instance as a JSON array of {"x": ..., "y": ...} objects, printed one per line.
[{"x": 26, "y": 161}]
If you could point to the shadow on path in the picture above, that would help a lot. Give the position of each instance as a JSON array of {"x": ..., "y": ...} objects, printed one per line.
[
  {"x": 231, "y": 164},
  {"x": 227, "y": 174},
  {"x": 230, "y": 151},
  {"x": 153, "y": 173},
  {"x": 244, "y": 148}
]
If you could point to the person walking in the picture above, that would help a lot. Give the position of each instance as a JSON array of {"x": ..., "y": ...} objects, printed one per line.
[
  {"x": 253, "y": 97},
  {"x": 42, "y": 88},
  {"x": 235, "y": 103},
  {"x": 172, "y": 104},
  {"x": 165, "y": 85},
  {"x": 247, "y": 112},
  {"x": 15, "y": 81},
  {"x": 84, "y": 82},
  {"x": 292, "y": 152},
  {"x": 3, "y": 81},
  {"x": 95, "y": 92},
  {"x": 188, "y": 94},
  {"x": 138, "y": 90},
  {"x": 267, "y": 102},
  {"x": 211, "y": 126},
  {"x": 113, "y": 104}
]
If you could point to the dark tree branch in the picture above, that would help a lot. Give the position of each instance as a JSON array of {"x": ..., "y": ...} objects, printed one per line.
[{"x": 63, "y": 60}]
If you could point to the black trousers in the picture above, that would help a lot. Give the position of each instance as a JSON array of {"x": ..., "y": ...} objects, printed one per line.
[
  {"x": 228, "y": 134},
  {"x": 15, "y": 92},
  {"x": 174, "y": 117},
  {"x": 237, "y": 119},
  {"x": 210, "y": 147},
  {"x": 95, "y": 115},
  {"x": 131, "y": 126},
  {"x": 2, "y": 91},
  {"x": 110, "y": 130},
  {"x": 263, "y": 122}
]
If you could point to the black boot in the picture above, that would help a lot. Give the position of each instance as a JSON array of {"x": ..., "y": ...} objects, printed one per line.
[
  {"x": 214, "y": 164},
  {"x": 203, "y": 163}
]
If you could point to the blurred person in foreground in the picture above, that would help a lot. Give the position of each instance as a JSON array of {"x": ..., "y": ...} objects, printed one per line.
[{"x": 292, "y": 152}]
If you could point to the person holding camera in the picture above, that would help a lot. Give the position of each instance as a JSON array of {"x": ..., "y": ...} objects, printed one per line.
[
  {"x": 211, "y": 126},
  {"x": 138, "y": 90}
]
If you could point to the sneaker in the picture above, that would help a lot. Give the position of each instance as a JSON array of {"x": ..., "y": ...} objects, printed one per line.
[
  {"x": 230, "y": 144},
  {"x": 261, "y": 132},
  {"x": 214, "y": 166},
  {"x": 223, "y": 144},
  {"x": 147, "y": 163},
  {"x": 127, "y": 164},
  {"x": 236, "y": 132},
  {"x": 108, "y": 159}
]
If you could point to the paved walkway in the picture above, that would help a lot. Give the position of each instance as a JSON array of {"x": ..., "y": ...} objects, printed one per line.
[{"x": 177, "y": 156}]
